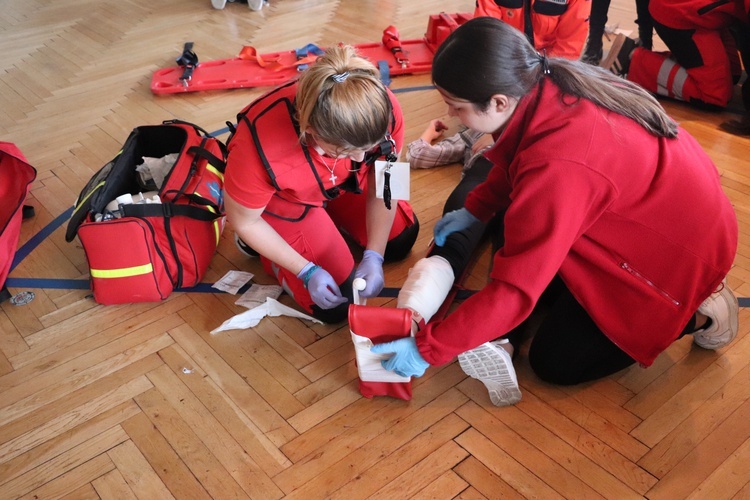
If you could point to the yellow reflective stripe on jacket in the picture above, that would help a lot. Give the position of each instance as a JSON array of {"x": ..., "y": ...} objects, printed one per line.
[{"x": 122, "y": 272}]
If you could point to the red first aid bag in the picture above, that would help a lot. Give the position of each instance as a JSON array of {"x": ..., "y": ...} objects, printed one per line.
[
  {"x": 375, "y": 325},
  {"x": 146, "y": 234},
  {"x": 16, "y": 175}
]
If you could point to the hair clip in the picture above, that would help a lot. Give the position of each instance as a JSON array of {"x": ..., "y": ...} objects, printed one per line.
[
  {"x": 340, "y": 77},
  {"x": 544, "y": 62}
]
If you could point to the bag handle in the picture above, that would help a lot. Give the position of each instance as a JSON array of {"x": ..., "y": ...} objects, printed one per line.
[
  {"x": 203, "y": 131},
  {"x": 211, "y": 158},
  {"x": 183, "y": 122},
  {"x": 168, "y": 210}
]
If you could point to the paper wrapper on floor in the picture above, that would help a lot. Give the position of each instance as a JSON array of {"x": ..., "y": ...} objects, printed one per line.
[{"x": 375, "y": 325}]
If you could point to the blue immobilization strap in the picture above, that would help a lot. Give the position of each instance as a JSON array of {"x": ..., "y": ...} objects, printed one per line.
[
  {"x": 304, "y": 52},
  {"x": 308, "y": 49},
  {"x": 385, "y": 73}
]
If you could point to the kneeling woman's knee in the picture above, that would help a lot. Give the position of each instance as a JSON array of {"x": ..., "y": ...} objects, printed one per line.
[{"x": 400, "y": 246}]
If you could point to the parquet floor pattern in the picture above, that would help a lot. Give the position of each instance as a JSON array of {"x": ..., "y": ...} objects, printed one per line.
[{"x": 141, "y": 401}]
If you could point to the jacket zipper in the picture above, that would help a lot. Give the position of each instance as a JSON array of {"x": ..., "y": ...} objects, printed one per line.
[{"x": 650, "y": 283}]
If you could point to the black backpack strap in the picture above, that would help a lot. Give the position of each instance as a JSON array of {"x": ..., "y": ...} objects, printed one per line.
[
  {"x": 169, "y": 210},
  {"x": 212, "y": 159},
  {"x": 183, "y": 122}
]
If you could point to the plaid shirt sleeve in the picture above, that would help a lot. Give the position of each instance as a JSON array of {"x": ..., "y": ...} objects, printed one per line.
[{"x": 420, "y": 154}]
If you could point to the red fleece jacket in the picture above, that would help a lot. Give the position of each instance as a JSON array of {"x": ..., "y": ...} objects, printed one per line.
[{"x": 637, "y": 226}]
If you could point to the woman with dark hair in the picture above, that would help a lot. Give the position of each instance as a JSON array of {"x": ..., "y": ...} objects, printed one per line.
[{"x": 608, "y": 206}]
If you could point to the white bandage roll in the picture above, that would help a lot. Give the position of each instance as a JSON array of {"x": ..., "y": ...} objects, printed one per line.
[
  {"x": 427, "y": 286},
  {"x": 358, "y": 285}
]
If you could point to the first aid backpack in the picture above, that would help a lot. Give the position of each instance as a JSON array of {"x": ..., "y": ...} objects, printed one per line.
[
  {"x": 147, "y": 232},
  {"x": 16, "y": 176}
]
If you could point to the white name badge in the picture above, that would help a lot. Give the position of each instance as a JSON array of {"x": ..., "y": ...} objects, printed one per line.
[{"x": 399, "y": 180}]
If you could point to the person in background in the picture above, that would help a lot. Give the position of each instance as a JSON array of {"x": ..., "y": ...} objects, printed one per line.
[
  {"x": 607, "y": 205},
  {"x": 300, "y": 172},
  {"x": 705, "y": 40},
  {"x": 594, "y": 50},
  {"x": 559, "y": 27},
  {"x": 431, "y": 149}
]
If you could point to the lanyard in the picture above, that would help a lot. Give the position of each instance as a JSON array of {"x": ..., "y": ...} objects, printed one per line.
[{"x": 389, "y": 158}]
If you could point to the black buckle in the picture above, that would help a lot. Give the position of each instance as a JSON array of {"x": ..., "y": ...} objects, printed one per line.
[{"x": 189, "y": 61}]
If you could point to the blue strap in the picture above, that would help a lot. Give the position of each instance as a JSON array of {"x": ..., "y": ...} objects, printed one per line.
[
  {"x": 385, "y": 73},
  {"x": 39, "y": 237},
  {"x": 305, "y": 51},
  {"x": 308, "y": 49}
]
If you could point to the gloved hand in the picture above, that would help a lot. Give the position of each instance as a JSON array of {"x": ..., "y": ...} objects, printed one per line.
[
  {"x": 406, "y": 360},
  {"x": 371, "y": 270},
  {"x": 322, "y": 287},
  {"x": 457, "y": 220}
]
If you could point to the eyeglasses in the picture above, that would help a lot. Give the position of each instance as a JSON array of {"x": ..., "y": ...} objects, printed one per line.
[{"x": 334, "y": 151}]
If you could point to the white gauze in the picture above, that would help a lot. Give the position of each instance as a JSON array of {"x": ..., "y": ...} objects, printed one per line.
[{"x": 427, "y": 286}]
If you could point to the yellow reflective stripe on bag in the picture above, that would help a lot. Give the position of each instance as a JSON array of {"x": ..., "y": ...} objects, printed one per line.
[
  {"x": 123, "y": 272},
  {"x": 217, "y": 226},
  {"x": 217, "y": 223},
  {"x": 216, "y": 172}
]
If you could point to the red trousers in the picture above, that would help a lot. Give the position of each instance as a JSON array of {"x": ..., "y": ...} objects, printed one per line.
[
  {"x": 710, "y": 83},
  {"x": 318, "y": 238},
  {"x": 702, "y": 64}
]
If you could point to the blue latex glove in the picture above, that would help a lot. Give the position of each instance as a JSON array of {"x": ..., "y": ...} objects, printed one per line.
[
  {"x": 371, "y": 270},
  {"x": 457, "y": 220},
  {"x": 322, "y": 287},
  {"x": 406, "y": 360}
]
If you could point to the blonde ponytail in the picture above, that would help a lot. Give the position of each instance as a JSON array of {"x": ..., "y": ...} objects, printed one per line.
[{"x": 342, "y": 98}]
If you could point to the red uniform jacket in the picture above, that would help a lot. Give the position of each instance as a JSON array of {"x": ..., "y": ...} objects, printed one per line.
[
  {"x": 637, "y": 226},
  {"x": 703, "y": 14},
  {"x": 560, "y": 26}
]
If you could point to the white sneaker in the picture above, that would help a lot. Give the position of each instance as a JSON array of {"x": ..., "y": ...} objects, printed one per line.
[
  {"x": 218, "y": 4},
  {"x": 493, "y": 366},
  {"x": 255, "y": 4},
  {"x": 723, "y": 309}
]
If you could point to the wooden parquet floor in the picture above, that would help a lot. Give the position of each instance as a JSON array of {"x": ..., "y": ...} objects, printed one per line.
[{"x": 141, "y": 401}]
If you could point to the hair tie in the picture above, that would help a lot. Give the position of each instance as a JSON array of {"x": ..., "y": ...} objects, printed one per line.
[
  {"x": 340, "y": 77},
  {"x": 544, "y": 62}
]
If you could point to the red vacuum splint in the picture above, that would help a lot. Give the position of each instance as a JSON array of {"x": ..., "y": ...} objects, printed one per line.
[{"x": 250, "y": 69}]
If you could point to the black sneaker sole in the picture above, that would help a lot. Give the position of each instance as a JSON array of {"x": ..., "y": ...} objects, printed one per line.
[{"x": 244, "y": 248}]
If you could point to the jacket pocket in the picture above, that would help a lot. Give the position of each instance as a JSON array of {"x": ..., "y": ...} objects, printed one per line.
[{"x": 643, "y": 279}]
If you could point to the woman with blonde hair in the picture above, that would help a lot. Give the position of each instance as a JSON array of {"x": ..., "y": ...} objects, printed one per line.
[
  {"x": 608, "y": 206},
  {"x": 300, "y": 173}
]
